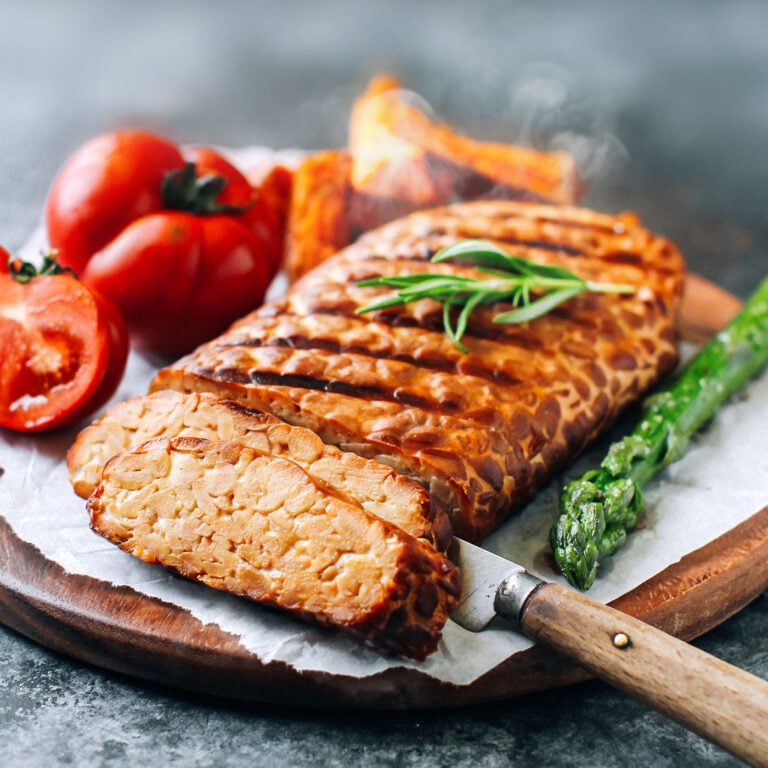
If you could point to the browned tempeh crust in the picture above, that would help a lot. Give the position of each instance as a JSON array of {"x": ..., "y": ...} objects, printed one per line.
[
  {"x": 259, "y": 526},
  {"x": 482, "y": 431}
]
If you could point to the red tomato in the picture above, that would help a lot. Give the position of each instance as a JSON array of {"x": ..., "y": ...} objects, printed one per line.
[
  {"x": 63, "y": 349},
  {"x": 181, "y": 243},
  {"x": 264, "y": 221},
  {"x": 180, "y": 279},
  {"x": 111, "y": 180},
  {"x": 237, "y": 191},
  {"x": 259, "y": 213}
]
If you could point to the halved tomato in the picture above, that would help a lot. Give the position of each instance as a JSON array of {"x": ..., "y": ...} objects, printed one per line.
[
  {"x": 63, "y": 350},
  {"x": 181, "y": 242}
]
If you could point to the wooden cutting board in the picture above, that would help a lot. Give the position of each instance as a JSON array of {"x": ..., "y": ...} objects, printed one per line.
[{"x": 120, "y": 629}]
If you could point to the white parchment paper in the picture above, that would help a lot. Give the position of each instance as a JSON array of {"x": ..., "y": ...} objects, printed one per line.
[{"x": 722, "y": 480}]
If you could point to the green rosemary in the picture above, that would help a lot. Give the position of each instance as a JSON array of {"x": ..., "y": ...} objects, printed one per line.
[{"x": 532, "y": 289}]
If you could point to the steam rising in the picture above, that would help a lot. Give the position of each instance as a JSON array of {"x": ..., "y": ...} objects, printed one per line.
[{"x": 547, "y": 111}]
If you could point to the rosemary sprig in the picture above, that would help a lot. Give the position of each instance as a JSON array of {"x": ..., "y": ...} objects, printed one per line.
[{"x": 533, "y": 289}]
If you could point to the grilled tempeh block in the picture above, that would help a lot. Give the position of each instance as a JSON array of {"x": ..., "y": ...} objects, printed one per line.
[
  {"x": 259, "y": 526},
  {"x": 482, "y": 431},
  {"x": 378, "y": 488}
]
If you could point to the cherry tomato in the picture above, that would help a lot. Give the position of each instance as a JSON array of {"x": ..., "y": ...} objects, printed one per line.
[
  {"x": 180, "y": 279},
  {"x": 181, "y": 242},
  {"x": 63, "y": 348}
]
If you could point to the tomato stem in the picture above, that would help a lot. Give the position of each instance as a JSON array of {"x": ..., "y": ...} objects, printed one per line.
[
  {"x": 24, "y": 271},
  {"x": 183, "y": 190}
]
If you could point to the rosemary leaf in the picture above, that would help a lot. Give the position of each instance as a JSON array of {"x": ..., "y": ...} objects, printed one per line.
[
  {"x": 510, "y": 279},
  {"x": 533, "y": 309}
]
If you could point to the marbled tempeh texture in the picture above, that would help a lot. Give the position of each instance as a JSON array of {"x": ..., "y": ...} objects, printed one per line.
[
  {"x": 258, "y": 526},
  {"x": 376, "y": 487},
  {"x": 482, "y": 431}
]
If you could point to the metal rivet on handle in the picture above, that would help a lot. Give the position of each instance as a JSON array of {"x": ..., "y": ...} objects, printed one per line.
[{"x": 621, "y": 640}]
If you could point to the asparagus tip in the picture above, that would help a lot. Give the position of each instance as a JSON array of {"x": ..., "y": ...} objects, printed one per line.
[{"x": 596, "y": 512}]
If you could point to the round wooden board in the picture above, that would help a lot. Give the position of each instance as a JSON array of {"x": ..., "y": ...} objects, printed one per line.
[{"x": 119, "y": 629}]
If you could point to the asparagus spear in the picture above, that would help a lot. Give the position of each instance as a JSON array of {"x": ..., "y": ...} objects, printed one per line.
[{"x": 598, "y": 509}]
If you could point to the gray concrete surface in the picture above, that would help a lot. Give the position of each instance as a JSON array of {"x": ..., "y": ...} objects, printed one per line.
[{"x": 666, "y": 105}]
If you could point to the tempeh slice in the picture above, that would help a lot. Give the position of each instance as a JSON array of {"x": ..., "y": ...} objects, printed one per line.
[
  {"x": 376, "y": 487},
  {"x": 258, "y": 526}
]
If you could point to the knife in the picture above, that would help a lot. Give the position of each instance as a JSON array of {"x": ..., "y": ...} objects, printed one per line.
[{"x": 718, "y": 701}]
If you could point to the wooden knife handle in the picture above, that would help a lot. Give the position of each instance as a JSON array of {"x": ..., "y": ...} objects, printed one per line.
[{"x": 716, "y": 700}]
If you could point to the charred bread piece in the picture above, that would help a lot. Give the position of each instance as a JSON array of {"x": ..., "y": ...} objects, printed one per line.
[
  {"x": 398, "y": 160},
  {"x": 378, "y": 488},
  {"x": 482, "y": 431},
  {"x": 399, "y": 150},
  {"x": 317, "y": 224},
  {"x": 258, "y": 526}
]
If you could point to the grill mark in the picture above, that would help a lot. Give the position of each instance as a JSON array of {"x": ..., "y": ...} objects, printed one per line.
[
  {"x": 615, "y": 235},
  {"x": 615, "y": 229},
  {"x": 513, "y": 348},
  {"x": 229, "y": 375},
  {"x": 234, "y": 375},
  {"x": 268, "y": 379},
  {"x": 336, "y": 386},
  {"x": 359, "y": 392},
  {"x": 514, "y": 242},
  {"x": 450, "y": 447},
  {"x": 543, "y": 245},
  {"x": 605, "y": 224},
  {"x": 624, "y": 257},
  {"x": 478, "y": 329},
  {"x": 618, "y": 265},
  {"x": 485, "y": 404}
]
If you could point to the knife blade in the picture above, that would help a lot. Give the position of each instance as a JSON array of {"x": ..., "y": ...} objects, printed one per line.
[{"x": 718, "y": 701}]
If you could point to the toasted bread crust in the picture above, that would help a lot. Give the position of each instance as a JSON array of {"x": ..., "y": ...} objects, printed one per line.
[{"x": 398, "y": 160}]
